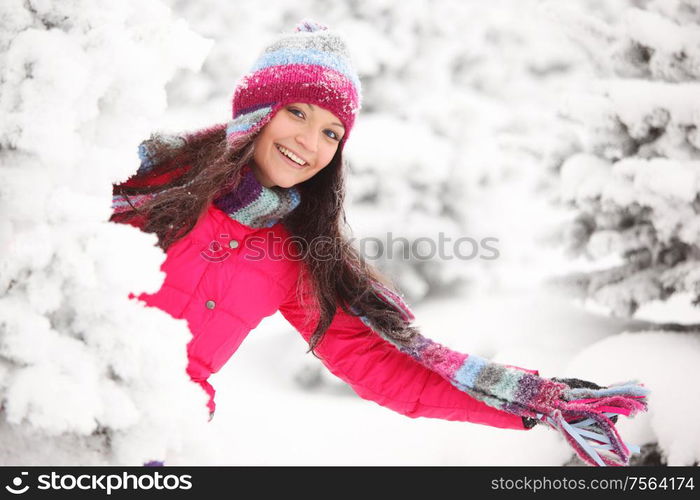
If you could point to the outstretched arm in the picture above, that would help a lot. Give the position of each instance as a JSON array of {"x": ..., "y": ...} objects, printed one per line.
[{"x": 379, "y": 372}]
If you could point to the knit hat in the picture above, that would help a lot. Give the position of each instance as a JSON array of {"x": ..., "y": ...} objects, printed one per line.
[{"x": 310, "y": 65}]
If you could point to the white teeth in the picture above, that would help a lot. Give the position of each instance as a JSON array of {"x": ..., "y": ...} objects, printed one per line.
[{"x": 291, "y": 155}]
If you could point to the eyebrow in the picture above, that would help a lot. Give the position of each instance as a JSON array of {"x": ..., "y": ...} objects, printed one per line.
[{"x": 313, "y": 108}]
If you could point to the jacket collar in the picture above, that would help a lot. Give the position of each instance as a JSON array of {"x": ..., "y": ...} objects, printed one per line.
[{"x": 255, "y": 205}]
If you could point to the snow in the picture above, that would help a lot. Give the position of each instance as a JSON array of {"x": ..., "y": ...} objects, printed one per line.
[
  {"x": 663, "y": 34},
  {"x": 668, "y": 187},
  {"x": 535, "y": 125},
  {"x": 634, "y": 100},
  {"x": 666, "y": 363},
  {"x": 80, "y": 84}
]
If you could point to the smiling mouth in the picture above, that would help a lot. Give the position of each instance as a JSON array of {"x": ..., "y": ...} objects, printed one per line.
[{"x": 289, "y": 160}]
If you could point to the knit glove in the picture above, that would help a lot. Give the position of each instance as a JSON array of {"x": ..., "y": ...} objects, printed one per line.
[
  {"x": 581, "y": 411},
  {"x": 574, "y": 383}
]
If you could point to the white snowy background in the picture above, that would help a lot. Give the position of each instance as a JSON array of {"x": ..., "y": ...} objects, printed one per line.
[{"x": 567, "y": 132}]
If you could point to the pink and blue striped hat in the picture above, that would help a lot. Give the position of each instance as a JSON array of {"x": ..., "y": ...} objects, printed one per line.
[{"x": 310, "y": 65}]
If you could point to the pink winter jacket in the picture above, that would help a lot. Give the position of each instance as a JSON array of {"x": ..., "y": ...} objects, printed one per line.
[{"x": 224, "y": 295}]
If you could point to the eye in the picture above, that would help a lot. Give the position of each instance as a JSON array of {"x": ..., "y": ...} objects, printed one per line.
[
  {"x": 294, "y": 110},
  {"x": 334, "y": 137},
  {"x": 300, "y": 114}
]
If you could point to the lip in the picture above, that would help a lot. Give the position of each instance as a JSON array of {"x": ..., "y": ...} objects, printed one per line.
[{"x": 289, "y": 160}]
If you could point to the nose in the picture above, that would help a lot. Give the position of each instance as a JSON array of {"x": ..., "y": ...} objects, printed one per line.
[{"x": 308, "y": 139}]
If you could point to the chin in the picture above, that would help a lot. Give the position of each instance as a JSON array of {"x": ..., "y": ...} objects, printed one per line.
[{"x": 284, "y": 182}]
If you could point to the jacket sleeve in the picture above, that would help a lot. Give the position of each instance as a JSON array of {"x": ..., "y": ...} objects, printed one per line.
[{"x": 379, "y": 372}]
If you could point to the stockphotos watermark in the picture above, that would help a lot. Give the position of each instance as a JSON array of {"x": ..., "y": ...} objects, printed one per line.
[
  {"x": 273, "y": 247},
  {"x": 106, "y": 483}
]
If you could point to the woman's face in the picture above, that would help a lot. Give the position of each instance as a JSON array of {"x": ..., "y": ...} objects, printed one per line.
[{"x": 310, "y": 133}]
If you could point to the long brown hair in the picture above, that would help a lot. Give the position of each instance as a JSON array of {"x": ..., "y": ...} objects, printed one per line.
[{"x": 213, "y": 166}]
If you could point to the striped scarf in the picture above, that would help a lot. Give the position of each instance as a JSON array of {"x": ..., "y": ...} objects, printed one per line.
[
  {"x": 255, "y": 205},
  {"x": 251, "y": 203},
  {"x": 581, "y": 415}
]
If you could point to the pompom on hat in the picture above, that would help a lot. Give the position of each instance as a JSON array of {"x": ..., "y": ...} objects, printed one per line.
[{"x": 310, "y": 65}]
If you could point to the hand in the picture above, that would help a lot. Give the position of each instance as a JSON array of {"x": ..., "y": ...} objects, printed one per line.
[{"x": 529, "y": 423}]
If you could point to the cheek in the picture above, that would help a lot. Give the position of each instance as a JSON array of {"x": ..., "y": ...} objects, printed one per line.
[
  {"x": 330, "y": 153},
  {"x": 263, "y": 149}
]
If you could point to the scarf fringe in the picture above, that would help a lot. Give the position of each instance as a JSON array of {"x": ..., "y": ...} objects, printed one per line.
[{"x": 585, "y": 423}]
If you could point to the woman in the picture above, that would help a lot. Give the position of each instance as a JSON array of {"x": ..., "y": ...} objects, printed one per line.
[{"x": 250, "y": 214}]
